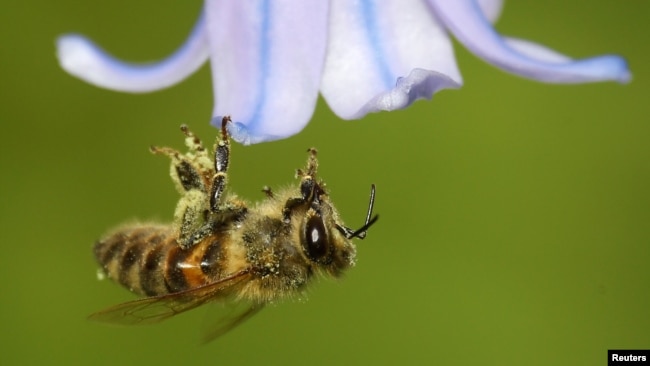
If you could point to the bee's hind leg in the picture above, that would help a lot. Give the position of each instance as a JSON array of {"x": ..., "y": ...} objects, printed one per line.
[
  {"x": 190, "y": 218},
  {"x": 194, "y": 143},
  {"x": 185, "y": 173},
  {"x": 190, "y": 174}
]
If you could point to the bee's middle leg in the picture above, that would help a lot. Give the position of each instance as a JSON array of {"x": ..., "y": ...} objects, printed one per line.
[{"x": 221, "y": 160}]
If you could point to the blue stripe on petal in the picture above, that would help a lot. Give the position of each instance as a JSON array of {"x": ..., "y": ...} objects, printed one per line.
[
  {"x": 369, "y": 15},
  {"x": 267, "y": 59},
  {"x": 264, "y": 11}
]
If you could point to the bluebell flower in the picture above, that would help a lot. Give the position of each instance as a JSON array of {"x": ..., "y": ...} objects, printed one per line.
[{"x": 271, "y": 58}]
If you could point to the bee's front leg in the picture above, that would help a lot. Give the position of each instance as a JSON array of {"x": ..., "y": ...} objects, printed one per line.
[{"x": 309, "y": 190}]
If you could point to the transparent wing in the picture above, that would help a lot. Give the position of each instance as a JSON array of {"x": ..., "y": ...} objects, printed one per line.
[
  {"x": 227, "y": 316},
  {"x": 158, "y": 308}
]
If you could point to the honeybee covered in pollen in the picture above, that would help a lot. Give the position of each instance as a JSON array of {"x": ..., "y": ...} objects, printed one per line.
[{"x": 220, "y": 249}]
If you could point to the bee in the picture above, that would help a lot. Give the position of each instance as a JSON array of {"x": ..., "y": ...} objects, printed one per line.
[{"x": 220, "y": 249}]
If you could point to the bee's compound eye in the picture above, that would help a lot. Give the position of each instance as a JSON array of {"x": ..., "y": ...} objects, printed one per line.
[{"x": 315, "y": 244}]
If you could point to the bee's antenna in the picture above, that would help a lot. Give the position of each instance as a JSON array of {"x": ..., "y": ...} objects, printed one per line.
[{"x": 361, "y": 232}]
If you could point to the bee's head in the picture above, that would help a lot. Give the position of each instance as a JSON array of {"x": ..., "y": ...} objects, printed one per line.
[{"x": 325, "y": 241}]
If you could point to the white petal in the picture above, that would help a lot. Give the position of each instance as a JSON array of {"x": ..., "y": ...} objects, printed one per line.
[
  {"x": 374, "y": 43},
  {"x": 464, "y": 18},
  {"x": 267, "y": 58},
  {"x": 83, "y": 59}
]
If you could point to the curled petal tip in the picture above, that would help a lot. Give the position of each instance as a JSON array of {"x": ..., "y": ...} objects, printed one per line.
[
  {"x": 239, "y": 132},
  {"x": 596, "y": 69},
  {"x": 82, "y": 58},
  {"x": 621, "y": 70},
  {"x": 591, "y": 70},
  {"x": 419, "y": 84},
  {"x": 465, "y": 19},
  {"x": 538, "y": 62},
  {"x": 76, "y": 54}
]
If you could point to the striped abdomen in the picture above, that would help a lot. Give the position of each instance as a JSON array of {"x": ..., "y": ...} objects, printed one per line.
[{"x": 148, "y": 260}]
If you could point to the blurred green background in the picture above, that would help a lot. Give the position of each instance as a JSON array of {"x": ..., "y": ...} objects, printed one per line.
[{"x": 514, "y": 215}]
